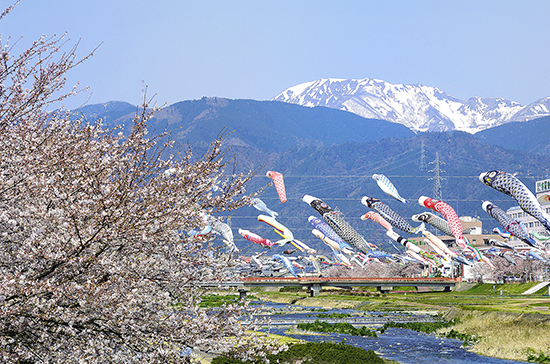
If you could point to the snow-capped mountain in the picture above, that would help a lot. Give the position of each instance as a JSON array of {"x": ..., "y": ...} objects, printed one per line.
[{"x": 420, "y": 108}]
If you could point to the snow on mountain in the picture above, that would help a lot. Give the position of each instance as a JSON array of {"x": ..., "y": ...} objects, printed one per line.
[
  {"x": 420, "y": 108},
  {"x": 534, "y": 110}
]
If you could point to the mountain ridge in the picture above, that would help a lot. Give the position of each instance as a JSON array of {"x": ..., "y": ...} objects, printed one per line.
[
  {"x": 420, "y": 108},
  {"x": 267, "y": 125},
  {"x": 185, "y": 118}
]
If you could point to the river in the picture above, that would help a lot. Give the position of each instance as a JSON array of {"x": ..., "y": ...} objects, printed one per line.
[{"x": 402, "y": 345}]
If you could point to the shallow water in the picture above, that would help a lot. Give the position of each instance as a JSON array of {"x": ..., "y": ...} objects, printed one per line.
[
  {"x": 408, "y": 347},
  {"x": 402, "y": 345}
]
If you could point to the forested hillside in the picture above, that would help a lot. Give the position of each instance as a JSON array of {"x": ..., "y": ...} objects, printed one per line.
[
  {"x": 532, "y": 136},
  {"x": 332, "y": 155}
]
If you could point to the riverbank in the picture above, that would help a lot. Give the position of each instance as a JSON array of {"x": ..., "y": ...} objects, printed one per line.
[
  {"x": 507, "y": 326},
  {"x": 507, "y": 335}
]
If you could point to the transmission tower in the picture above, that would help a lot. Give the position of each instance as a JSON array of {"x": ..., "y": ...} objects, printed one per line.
[
  {"x": 437, "y": 177},
  {"x": 423, "y": 165}
]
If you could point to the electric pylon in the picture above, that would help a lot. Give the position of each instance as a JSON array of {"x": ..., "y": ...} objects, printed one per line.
[
  {"x": 437, "y": 177},
  {"x": 423, "y": 166}
]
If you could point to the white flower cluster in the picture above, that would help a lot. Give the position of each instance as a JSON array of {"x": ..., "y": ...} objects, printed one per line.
[{"x": 93, "y": 265}]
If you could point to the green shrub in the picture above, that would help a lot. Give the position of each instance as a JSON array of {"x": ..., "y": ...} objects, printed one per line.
[
  {"x": 214, "y": 300},
  {"x": 334, "y": 315},
  {"x": 466, "y": 338},
  {"x": 426, "y": 327},
  {"x": 227, "y": 360},
  {"x": 533, "y": 357},
  {"x": 339, "y": 328},
  {"x": 318, "y": 353}
]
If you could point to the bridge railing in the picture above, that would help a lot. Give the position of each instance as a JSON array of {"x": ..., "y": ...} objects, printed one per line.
[{"x": 350, "y": 280}]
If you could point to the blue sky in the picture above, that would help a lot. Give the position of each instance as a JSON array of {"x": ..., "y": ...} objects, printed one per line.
[{"x": 255, "y": 49}]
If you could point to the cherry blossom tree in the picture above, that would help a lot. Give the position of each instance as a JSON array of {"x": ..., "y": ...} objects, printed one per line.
[
  {"x": 376, "y": 269},
  {"x": 95, "y": 265},
  {"x": 524, "y": 269}
]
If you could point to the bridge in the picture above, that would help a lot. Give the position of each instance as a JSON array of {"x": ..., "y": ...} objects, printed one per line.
[{"x": 316, "y": 284}]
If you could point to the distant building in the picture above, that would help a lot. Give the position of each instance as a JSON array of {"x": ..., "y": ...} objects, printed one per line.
[
  {"x": 542, "y": 190},
  {"x": 472, "y": 229}
]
